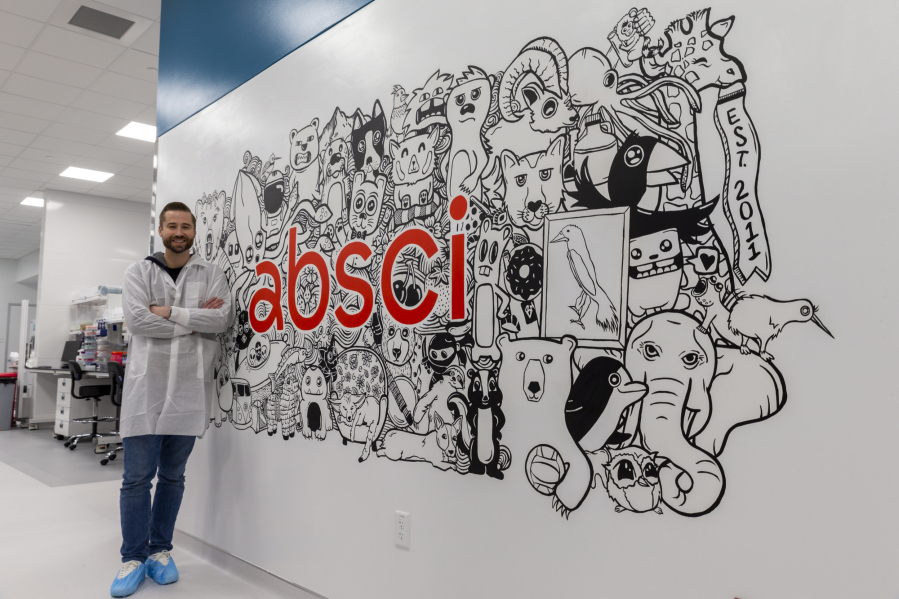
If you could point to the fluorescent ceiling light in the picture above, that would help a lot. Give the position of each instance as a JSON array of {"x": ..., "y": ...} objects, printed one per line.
[
  {"x": 33, "y": 202},
  {"x": 86, "y": 174},
  {"x": 139, "y": 131}
]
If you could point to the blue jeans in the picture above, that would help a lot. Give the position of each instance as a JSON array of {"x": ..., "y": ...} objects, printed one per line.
[{"x": 147, "y": 530}]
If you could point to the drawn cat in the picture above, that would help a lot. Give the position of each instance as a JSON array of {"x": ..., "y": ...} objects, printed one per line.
[
  {"x": 533, "y": 184},
  {"x": 368, "y": 139},
  {"x": 365, "y": 205}
]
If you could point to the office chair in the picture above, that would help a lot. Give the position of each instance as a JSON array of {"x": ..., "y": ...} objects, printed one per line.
[
  {"x": 91, "y": 393},
  {"x": 117, "y": 378}
]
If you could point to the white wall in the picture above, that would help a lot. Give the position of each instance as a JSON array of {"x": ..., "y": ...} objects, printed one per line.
[
  {"x": 27, "y": 268},
  {"x": 11, "y": 292},
  {"x": 87, "y": 241},
  {"x": 810, "y": 496}
]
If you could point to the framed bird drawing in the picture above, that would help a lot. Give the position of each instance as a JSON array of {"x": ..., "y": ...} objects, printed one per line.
[{"x": 585, "y": 276}]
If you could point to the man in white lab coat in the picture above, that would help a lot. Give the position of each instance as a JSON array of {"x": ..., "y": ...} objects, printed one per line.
[{"x": 175, "y": 303}]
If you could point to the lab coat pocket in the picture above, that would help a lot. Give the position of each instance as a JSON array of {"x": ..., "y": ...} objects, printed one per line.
[
  {"x": 206, "y": 354},
  {"x": 137, "y": 360},
  {"x": 196, "y": 294}
]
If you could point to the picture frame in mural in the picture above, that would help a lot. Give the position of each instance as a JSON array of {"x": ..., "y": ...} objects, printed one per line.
[{"x": 585, "y": 276}]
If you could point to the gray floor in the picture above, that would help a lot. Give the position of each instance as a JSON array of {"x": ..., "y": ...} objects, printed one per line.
[
  {"x": 61, "y": 536},
  {"x": 40, "y": 456}
]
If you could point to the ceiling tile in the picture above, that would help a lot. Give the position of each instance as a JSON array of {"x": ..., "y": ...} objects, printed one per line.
[
  {"x": 77, "y": 47},
  {"x": 91, "y": 120},
  {"x": 17, "y": 30},
  {"x": 34, "y": 176},
  {"x": 39, "y": 10},
  {"x": 74, "y": 133},
  {"x": 22, "y": 214},
  {"x": 29, "y": 107},
  {"x": 3, "y": 75},
  {"x": 14, "y": 136},
  {"x": 15, "y": 190},
  {"x": 9, "y": 56},
  {"x": 70, "y": 184},
  {"x": 9, "y": 149},
  {"x": 103, "y": 104},
  {"x": 41, "y": 89},
  {"x": 145, "y": 194},
  {"x": 5, "y": 160},
  {"x": 149, "y": 41},
  {"x": 99, "y": 165},
  {"x": 112, "y": 191},
  {"x": 22, "y": 123},
  {"x": 149, "y": 9},
  {"x": 145, "y": 162},
  {"x": 137, "y": 64},
  {"x": 60, "y": 70},
  {"x": 55, "y": 157},
  {"x": 122, "y": 86},
  {"x": 134, "y": 183},
  {"x": 148, "y": 116},
  {"x": 40, "y": 166},
  {"x": 19, "y": 184},
  {"x": 129, "y": 144},
  {"x": 111, "y": 155},
  {"x": 52, "y": 145},
  {"x": 144, "y": 174}
]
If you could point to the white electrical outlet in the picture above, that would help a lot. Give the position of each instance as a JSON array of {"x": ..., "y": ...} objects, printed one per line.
[{"x": 402, "y": 529}]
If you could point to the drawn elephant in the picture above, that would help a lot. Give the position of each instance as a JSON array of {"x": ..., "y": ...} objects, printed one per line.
[{"x": 677, "y": 363}]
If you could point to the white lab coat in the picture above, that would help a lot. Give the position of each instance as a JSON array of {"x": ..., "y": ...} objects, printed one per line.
[{"x": 169, "y": 385}]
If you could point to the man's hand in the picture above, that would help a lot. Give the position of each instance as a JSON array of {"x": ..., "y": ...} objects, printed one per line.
[
  {"x": 213, "y": 303},
  {"x": 161, "y": 311}
]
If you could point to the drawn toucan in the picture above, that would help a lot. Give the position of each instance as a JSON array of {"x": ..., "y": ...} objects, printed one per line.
[{"x": 641, "y": 162}]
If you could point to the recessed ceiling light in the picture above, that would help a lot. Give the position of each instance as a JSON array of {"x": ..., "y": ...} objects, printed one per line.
[
  {"x": 38, "y": 202},
  {"x": 86, "y": 174},
  {"x": 139, "y": 131},
  {"x": 152, "y": 69},
  {"x": 48, "y": 157}
]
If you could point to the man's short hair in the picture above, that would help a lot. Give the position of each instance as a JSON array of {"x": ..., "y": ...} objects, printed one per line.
[{"x": 176, "y": 207}]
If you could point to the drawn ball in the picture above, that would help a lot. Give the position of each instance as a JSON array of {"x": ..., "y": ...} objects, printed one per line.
[{"x": 544, "y": 468}]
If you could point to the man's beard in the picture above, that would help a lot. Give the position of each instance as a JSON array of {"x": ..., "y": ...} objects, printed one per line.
[{"x": 169, "y": 245}]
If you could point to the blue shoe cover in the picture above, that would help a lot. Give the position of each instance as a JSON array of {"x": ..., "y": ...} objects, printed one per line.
[
  {"x": 161, "y": 568},
  {"x": 128, "y": 579}
]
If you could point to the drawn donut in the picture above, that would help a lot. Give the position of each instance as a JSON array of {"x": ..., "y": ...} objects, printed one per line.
[{"x": 525, "y": 272}]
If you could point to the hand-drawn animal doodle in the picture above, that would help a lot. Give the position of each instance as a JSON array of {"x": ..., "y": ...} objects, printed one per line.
[
  {"x": 437, "y": 447},
  {"x": 367, "y": 141},
  {"x": 469, "y": 103},
  {"x": 491, "y": 300},
  {"x": 314, "y": 409},
  {"x": 305, "y": 167},
  {"x": 486, "y": 420},
  {"x": 360, "y": 397},
  {"x": 584, "y": 272},
  {"x": 413, "y": 167},
  {"x": 533, "y": 185},
  {"x": 536, "y": 376},
  {"x": 641, "y": 402},
  {"x": 210, "y": 213},
  {"x": 631, "y": 478},
  {"x": 762, "y": 318},
  {"x": 536, "y": 85},
  {"x": 678, "y": 363},
  {"x": 427, "y": 104}
]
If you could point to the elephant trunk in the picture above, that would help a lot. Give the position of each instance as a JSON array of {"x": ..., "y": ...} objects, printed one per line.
[{"x": 692, "y": 480}]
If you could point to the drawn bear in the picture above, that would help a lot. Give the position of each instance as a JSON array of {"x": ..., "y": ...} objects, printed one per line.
[
  {"x": 305, "y": 166},
  {"x": 536, "y": 376}
]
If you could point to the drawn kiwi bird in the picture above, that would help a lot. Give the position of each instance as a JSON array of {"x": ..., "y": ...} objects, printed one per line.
[
  {"x": 585, "y": 274},
  {"x": 762, "y": 318}
]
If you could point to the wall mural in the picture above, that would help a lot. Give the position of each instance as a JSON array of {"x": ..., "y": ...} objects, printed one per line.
[{"x": 539, "y": 245}]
